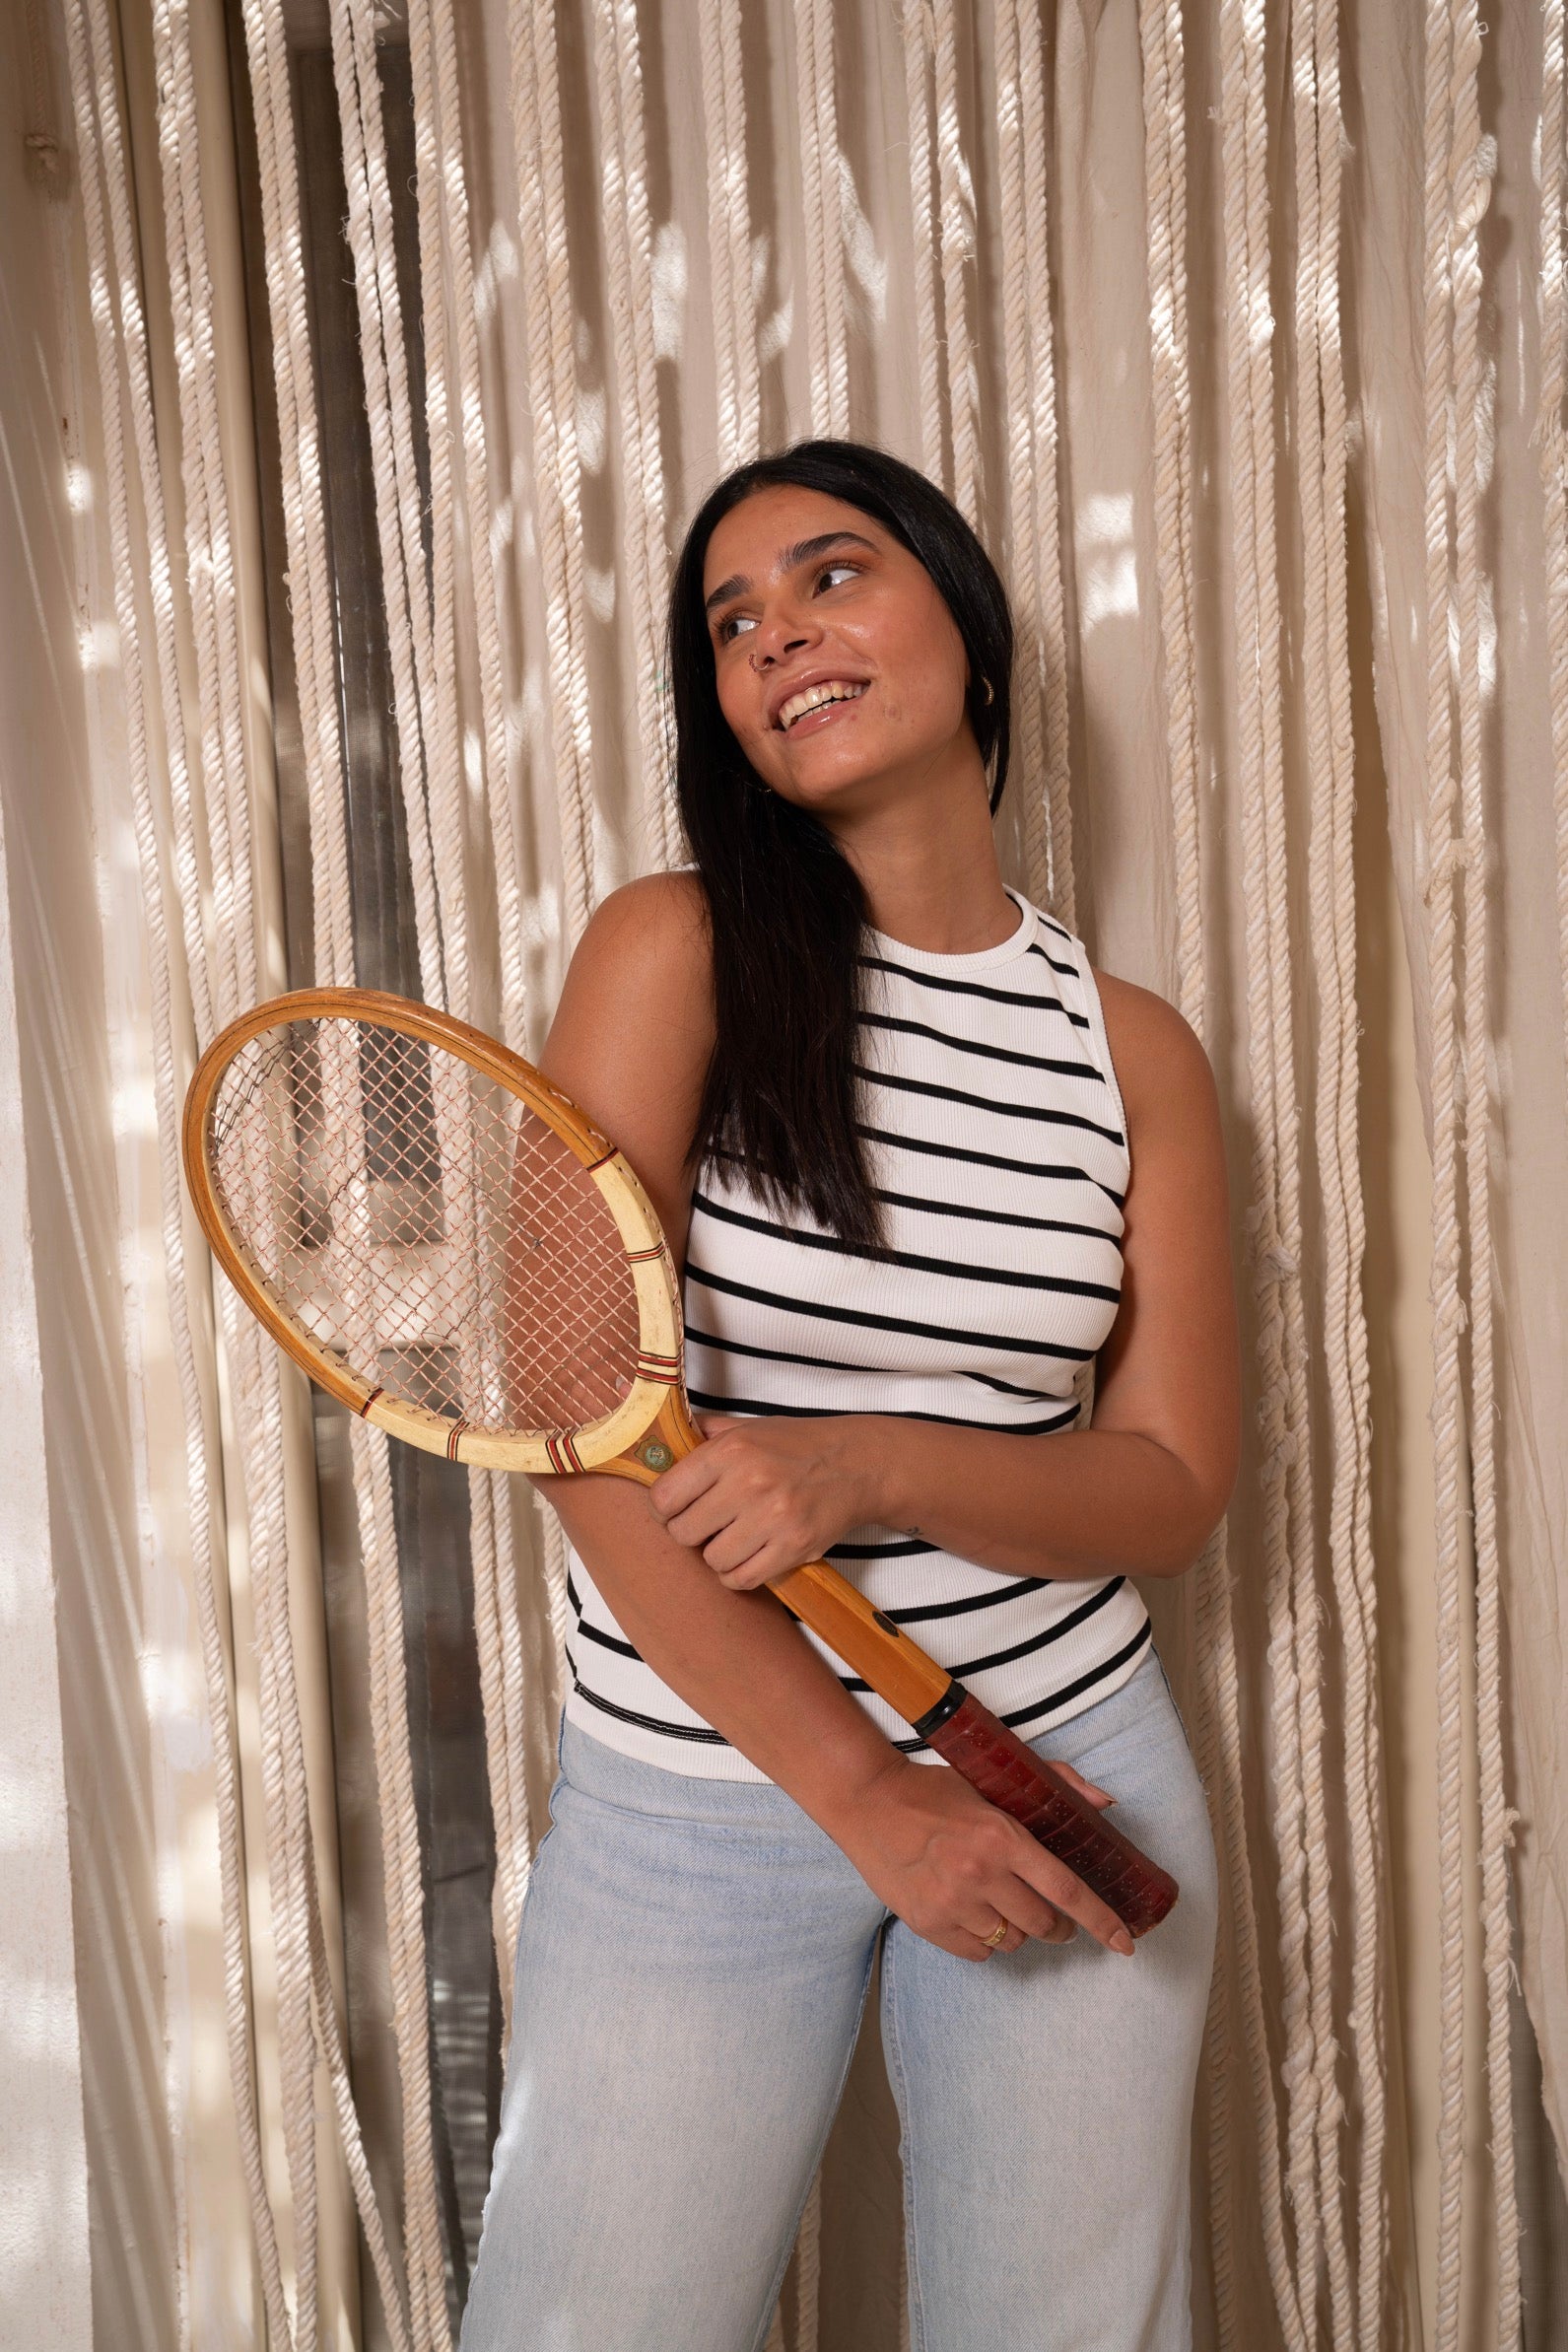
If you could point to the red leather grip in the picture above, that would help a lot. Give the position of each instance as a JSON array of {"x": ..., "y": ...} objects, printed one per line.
[{"x": 996, "y": 1761}]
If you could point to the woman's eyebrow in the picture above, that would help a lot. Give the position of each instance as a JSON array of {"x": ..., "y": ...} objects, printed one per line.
[{"x": 738, "y": 584}]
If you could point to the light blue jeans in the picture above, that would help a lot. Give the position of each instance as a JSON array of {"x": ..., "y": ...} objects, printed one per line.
[{"x": 691, "y": 1968}]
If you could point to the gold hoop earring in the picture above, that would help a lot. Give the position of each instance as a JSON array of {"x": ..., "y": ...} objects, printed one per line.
[{"x": 989, "y": 693}]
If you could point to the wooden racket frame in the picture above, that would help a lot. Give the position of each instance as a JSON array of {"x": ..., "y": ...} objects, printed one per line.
[{"x": 650, "y": 1428}]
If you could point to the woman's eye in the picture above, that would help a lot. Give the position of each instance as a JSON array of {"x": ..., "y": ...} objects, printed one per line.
[{"x": 733, "y": 620}]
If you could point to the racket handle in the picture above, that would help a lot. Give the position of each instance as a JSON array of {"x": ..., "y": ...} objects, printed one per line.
[{"x": 1009, "y": 1774}]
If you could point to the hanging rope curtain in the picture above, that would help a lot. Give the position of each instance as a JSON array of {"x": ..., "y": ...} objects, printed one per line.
[{"x": 523, "y": 799}]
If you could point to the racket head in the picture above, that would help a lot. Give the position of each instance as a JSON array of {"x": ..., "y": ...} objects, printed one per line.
[{"x": 434, "y": 1233}]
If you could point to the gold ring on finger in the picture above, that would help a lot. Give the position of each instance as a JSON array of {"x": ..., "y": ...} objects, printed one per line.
[{"x": 997, "y": 1936}]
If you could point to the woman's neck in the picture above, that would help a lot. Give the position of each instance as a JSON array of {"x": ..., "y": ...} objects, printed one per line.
[{"x": 929, "y": 872}]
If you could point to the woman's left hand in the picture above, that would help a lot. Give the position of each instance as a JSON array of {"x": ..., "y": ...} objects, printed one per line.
[{"x": 763, "y": 1496}]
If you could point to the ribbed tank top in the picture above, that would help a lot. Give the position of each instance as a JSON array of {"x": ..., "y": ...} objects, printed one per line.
[{"x": 998, "y": 1152}]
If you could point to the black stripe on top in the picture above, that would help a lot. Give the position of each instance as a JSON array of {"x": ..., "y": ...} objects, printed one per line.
[
  {"x": 973, "y": 988},
  {"x": 957, "y": 1268},
  {"x": 899, "y": 1323},
  {"x": 828, "y": 1363},
  {"x": 981, "y": 1102},
  {"x": 990, "y": 1216},
  {"x": 818, "y": 1412},
  {"x": 1035, "y": 948},
  {"x": 1085, "y": 1682},
  {"x": 981, "y": 1159},
  {"x": 702, "y": 1733},
  {"x": 1060, "y": 1698},
  {"x": 985, "y": 1053}
]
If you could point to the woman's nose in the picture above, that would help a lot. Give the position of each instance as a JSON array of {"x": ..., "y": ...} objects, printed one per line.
[{"x": 775, "y": 639}]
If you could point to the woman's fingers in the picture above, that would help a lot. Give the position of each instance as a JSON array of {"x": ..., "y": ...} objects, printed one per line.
[
  {"x": 1075, "y": 1780},
  {"x": 1063, "y": 1890},
  {"x": 1034, "y": 1917}
]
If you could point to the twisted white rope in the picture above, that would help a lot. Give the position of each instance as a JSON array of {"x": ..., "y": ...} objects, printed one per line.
[
  {"x": 1441, "y": 67},
  {"x": 956, "y": 212},
  {"x": 1274, "y": 1218},
  {"x": 1550, "y": 435},
  {"x": 427, "y": 766},
  {"x": 453, "y": 405},
  {"x": 1321, "y": 427},
  {"x": 557, "y": 473},
  {"x": 307, "y": 578},
  {"x": 822, "y": 199},
  {"x": 382, "y": 353},
  {"x": 918, "y": 42},
  {"x": 729, "y": 233},
  {"x": 1471, "y": 166},
  {"x": 1218, "y": 1718},
  {"x": 1030, "y": 398},
  {"x": 629, "y": 253}
]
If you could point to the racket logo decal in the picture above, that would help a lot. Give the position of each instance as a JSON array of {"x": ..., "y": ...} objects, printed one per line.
[{"x": 657, "y": 1457}]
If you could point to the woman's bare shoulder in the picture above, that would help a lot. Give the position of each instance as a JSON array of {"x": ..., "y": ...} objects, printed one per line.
[
  {"x": 633, "y": 1033},
  {"x": 1160, "y": 1062}
]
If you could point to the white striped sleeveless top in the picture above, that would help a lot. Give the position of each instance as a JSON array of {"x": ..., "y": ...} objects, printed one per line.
[{"x": 998, "y": 1147}]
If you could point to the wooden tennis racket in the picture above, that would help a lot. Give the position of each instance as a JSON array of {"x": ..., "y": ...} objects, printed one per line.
[{"x": 448, "y": 1247}]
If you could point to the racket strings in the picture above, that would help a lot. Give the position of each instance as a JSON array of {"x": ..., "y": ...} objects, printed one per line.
[{"x": 417, "y": 1222}]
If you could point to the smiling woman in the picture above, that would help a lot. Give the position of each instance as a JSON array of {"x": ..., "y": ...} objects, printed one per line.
[{"x": 920, "y": 1164}]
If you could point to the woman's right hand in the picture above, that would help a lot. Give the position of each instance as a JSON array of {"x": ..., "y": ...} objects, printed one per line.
[{"x": 951, "y": 1865}]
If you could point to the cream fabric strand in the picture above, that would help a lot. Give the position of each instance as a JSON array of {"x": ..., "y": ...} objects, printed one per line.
[
  {"x": 1471, "y": 166},
  {"x": 918, "y": 40},
  {"x": 1321, "y": 427},
  {"x": 629, "y": 249},
  {"x": 556, "y": 473},
  {"x": 827, "y": 341},
  {"x": 382, "y": 350},
  {"x": 1273, "y": 1218},
  {"x": 1041, "y": 741},
  {"x": 729, "y": 234},
  {"x": 1551, "y": 434},
  {"x": 1219, "y": 1736},
  {"x": 956, "y": 212},
  {"x": 1443, "y": 849},
  {"x": 444, "y": 262}
]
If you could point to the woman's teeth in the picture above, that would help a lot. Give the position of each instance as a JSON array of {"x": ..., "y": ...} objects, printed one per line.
[{"x": 812, "y": 698}]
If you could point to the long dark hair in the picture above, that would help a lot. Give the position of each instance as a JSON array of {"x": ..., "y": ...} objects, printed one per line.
[{"x": 785, "y": 907}]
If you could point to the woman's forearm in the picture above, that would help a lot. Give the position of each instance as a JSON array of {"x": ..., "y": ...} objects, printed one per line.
[
  {"x": 736, "y": 1657},
  {"x": 1079, "y": 1503}
]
